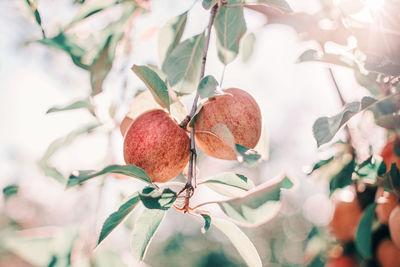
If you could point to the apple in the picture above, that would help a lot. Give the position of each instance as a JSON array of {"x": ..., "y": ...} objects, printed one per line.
[
  {"x": 388, "y": 254},
  {"x": 388, "y": 154},
  {"x": 156, "y": 143},
  {"x": 394, "y": 226},
  {"x": 342, "y": 261},
  {"x": 237, "y": 110},
  {"x": 386, "y": 202},
  {"x": 346, "y": 216}
]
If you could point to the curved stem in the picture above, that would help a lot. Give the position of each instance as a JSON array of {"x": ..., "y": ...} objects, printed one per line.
[{"x": 192, "y": 162}]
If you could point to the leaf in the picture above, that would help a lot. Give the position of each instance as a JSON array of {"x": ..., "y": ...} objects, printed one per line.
[
  {"x": 153, "y": 82},
  {"x": 363, "y": 240},
  {"x": 280, "y": 4},
  {"x": 247, "y": 46},
  {"x": 129, "y": 170},
  {"x": 207, "y": 222},
  {"x": 369, "y": 169},
  {"x": 390, "y": 181},
  {"x": 386, "y": 112},
  {"x": 336, "y": 59},
  {"x": 90, "y": 9},
  {"x": 86, "y": 103},
  {"x": 320, "y": 164},
  {"x": 36, "y": 13},
  {"x": 117, "y": 217},
  {"x": 153, "y": 198},
  {"x": 230, "y": 26},
  {"x": 230, "y": 179},
  {"x": 240, "y": 241},
  {"x": 207, "y": 87},
  {"x": 344, "y": 177},
  {"x": 258, "y": 205},
  {"x": 64, "y": 43},
  {"x": 56, "y": 145},
  {"x": 10, "y": 190},
  {"x": 249, "y": 156},
  {"x": 170, "y": 35},
  {"x": 207, "y": 4},
  {"x": 143, "y": 231},
  {"x": 183, "y": 65}
]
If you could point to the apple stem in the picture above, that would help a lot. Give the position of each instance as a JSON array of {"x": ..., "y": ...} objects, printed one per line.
[{"x": 193, "y": 155}]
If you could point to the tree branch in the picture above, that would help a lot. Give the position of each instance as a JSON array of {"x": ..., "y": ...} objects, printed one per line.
[{"x": 193, "y": 156}]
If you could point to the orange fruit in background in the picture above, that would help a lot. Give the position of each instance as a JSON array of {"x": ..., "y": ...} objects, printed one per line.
[
  {"x": 394, "y": 226},
  {"x": 342, "y": 261},
  {"x": 156, "y": 143},
  {"x": 388, "y": 154},
  {"x": 386, "y": 203},
  {"x": 125, "y": 124},
  {"x": 346, "y": 216},
  {"x": 388, "y": 255},
  {"x": 239, "y": 112}
]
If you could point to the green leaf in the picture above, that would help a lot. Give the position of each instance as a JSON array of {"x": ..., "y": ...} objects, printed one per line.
[
  {"x": 336, "y": 59},
  {"x": 64, "y": 43},
  {"x": 363, "y": 240},
  {"x": 183, "y": 65},
  {"x": 86, "y": 103},
  {"x": 207, "y": 87},
  {"x": 257, "y": 206},
  {"x": 386, "y": 112},
  {"x": 143, "y": 231},
  {"x": 207, "y": 4},
  {"x": 207, "y": 222},
  {"x": 369, "y": 169},
  {"x": 58, "y": 144},
  {"x": 156, "y": 86},
  {"x": 10, "y": 191},
  {"x": 240, "y": 241},
  {"x": 325, "y": 128},
  {"x": 390, "y": 181},
  {"x": 230, "y": 179},
  {"x": 320, "y": 164},
  {"x": 35, "y": 12},
  {"x": 107, "y": 258},
  {"x": 249, "y": 156},
  {"x": 170, "y": 35},
  {"x": 153, "y": 198},
  {"x": 90, "y": 9},
  {"x": 247, "y": 46},
  {"x": 117, "y": 217},
  {"x": 129, "y": 170},
  {"x": 280, "y": 4},
  {"x": 230, "y": 26},
  {"x": 344, "y": 177}
]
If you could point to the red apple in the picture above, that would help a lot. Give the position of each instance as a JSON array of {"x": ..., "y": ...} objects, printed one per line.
[
  {"x": 346, "y": 216},
  {"x": 155, "y": 143},
  {"x": 388, "y": 154},
  {"x": 386, "y": 203},
  {"x": 239, "y": 112},
  {"x": 342, "y": 261},
  {"x": 388, "y": 254},
  {"x": 394, "y": 226}
]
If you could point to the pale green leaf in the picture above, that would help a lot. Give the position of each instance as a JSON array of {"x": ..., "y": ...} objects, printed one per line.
[
  {"x": 239, "y": 240},
  {"x": 230, "y": 26},
  {"x": 143, "y": 231},
  {"x": 258, "y": 205},
  {"x": 207, "y": 87},
  {"x": 153, "y": 198},
  {"x": 280, "y": 4},
  {"x": 183, "y": 65},
  {"x": 117, "y": 217},
  {"x": 86, "y": 103},
  {"x": 154, "y": 83},
  {"x": 170, "y": 35},
  {"x": 129, "y": 170},
  {"x": 247, "y": 46},
  {"x": 364, "y": 232}
]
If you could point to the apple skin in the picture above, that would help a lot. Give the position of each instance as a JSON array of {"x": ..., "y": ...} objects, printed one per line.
[
  {"x": 342, "y": 261},
  {"x": 346, "y": 216},
  {"x": 394, "y": 226},
  {"x": 388, "y": 154},
  {"x": 386, "y": 203},
  {"x": 239, "y": 112},
  {"x": 388, "y": 254},
  {"x": 155, "y": 143}
]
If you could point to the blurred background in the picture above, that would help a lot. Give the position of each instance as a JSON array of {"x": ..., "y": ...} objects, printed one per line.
[{"x": 43, "y": 224}]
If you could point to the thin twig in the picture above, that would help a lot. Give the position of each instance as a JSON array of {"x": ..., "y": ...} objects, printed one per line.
[{"x": 193, "y": 156}]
